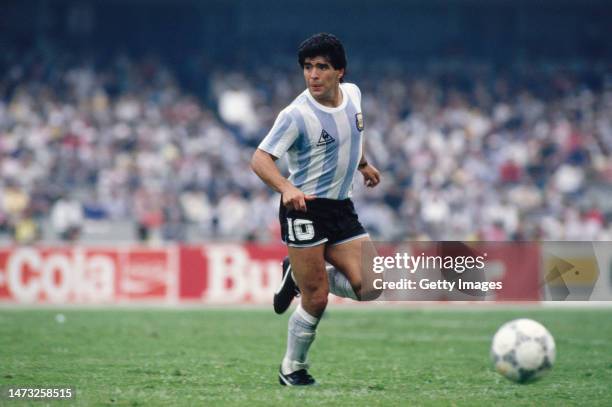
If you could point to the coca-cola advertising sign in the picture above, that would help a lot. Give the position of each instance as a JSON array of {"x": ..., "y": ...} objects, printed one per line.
[{"x": 86, "y": 275}]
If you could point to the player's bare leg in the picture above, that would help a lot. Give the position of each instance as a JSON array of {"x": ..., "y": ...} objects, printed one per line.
[
  {"x": 347, "y": 259},
  {"x": 308, "y": 266}
]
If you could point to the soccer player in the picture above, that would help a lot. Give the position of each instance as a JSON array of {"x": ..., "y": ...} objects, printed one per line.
[{"x": 322, "y": 133}]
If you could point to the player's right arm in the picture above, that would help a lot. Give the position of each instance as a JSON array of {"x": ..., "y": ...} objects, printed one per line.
[
  {"x": 276, "y": 143},
  {"x": 264, "y": 166}
]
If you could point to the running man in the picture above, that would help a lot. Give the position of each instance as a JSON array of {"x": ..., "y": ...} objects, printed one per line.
[{"x": 322, "y": 133}]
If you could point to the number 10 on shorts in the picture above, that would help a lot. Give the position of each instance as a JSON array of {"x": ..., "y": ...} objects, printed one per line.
[{"x": 300, "y": 229}]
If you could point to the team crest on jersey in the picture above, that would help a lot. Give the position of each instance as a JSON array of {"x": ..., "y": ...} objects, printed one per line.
[
  {"x": 325, "y": 138},
  {"x": 359, "y": 121}
]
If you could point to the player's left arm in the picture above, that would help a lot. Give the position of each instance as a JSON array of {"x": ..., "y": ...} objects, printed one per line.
[{"x": 371, "y": 175}]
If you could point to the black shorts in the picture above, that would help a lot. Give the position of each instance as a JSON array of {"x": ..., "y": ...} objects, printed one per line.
[{"x": 328, "y": 221}]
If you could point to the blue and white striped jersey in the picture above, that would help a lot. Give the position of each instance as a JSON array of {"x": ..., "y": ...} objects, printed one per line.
[{"x": 323, "y": 143}]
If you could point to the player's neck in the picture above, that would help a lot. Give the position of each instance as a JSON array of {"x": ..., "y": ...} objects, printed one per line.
[{"x": 333, "y": 99}]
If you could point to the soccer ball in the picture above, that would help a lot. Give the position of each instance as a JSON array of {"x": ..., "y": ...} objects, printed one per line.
[{"x": 523, "y": 350}]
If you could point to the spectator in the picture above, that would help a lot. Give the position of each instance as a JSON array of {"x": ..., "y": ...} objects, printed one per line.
[{"x": 67, "y": 218}]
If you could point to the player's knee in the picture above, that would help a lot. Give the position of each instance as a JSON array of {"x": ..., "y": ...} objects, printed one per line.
[{"x": 317, "y": 302}]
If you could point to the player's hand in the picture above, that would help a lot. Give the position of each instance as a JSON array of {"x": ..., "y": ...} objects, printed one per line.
[
  {"x": 371, "y": 176},
  {"x": 295, "y": 199}
]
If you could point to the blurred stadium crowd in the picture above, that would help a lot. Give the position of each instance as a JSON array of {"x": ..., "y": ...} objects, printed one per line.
[{"x": 125, "y": 149}]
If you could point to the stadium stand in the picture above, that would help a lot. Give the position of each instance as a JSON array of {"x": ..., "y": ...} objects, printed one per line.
[
  {"x": 467, "y": 152},
  {"x": 496, "y": 126}
]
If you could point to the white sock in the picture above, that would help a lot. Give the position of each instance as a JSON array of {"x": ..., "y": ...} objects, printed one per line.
[
  {"x": 339, "y": 284},
  {"x": 302, "y": 327}
]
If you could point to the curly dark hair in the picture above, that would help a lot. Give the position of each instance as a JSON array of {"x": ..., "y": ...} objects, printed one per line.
[{"x": 325, "y": 45}]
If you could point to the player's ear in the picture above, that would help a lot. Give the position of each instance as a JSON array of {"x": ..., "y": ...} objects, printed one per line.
[{"x": 341, "y": 75}]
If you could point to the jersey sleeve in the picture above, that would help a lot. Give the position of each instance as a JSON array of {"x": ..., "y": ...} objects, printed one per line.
[{"x": 282, "y": 135}]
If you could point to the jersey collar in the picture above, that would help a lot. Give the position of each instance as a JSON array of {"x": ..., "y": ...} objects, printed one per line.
[{"x": 326, "y": 108}]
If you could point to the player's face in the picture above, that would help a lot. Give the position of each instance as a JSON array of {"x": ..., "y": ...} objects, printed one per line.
[{"x": 321, "y": 78}]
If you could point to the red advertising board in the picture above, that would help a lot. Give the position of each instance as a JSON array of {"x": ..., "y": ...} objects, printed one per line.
[
  {"x": 217, "y": 273},
  {"x": 230, "y": 273},
  {"x": 87, "y": 275},
  {"x": 518, "y": 266}
]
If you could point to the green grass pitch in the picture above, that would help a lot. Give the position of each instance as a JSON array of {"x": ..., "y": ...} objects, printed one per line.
[{"x": 361, "y": 357}]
